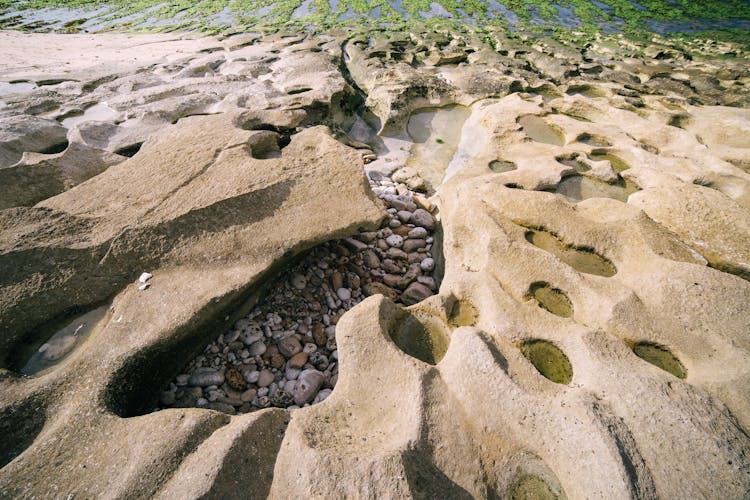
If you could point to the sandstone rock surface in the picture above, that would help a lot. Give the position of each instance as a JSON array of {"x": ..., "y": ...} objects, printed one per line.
[{"x": 578, "y": 329}]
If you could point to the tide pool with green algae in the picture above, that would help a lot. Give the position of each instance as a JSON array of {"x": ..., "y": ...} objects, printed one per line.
[{"x": 722, "y": 19}]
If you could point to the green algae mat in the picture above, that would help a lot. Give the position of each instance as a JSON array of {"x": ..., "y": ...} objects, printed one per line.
[{"x": 728, "y": 19}]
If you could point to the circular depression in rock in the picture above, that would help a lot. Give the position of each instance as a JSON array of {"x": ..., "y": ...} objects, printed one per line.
[
  {"x": 551, "y": 299},
  {"x": 660, "y": 357},
  {"x": 549, "y": 360},
  {"x": 530, "y": 487},
  {"x": 462, "y": 313},
  {"x": 421, "y": 336},
  {"x": 583, "y": 259}
]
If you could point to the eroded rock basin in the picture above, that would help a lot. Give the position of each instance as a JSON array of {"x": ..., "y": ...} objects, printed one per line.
[{"x": 327, "y": 315}]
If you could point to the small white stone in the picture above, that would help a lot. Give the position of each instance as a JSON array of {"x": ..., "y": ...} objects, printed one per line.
[
  {"x": 344, "y": 293},
  {"x": 145, "y": 277},
  {"x": 427, "y": 264},
  {"x": 144, "y": 286},
  {"x": 395, "y": 241}
]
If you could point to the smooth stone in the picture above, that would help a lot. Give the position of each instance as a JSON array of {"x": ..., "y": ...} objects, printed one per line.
[
  {"x": 394, "y": 223},
  {"x": 308, "y": 384},
  {"x": 257, "y": 349},
  {"x": 298, "y": 281},
  {"x": 376, "y": 288},
  {"x": 344, "y": 293},
  {"x": 252, "y": 376},
  {"x": 418, "y": 233},
  {"x": 404, "y": 216},
  {"x": 289, "y": 346},
  {"x": 298, "y": 360},
  {"x": 411, "y": 245},
  {"x": 423, "y": 218},
  {"x": 206, "y": 378},
  {"x": 265, "y": 378},
  {"x": 395, "y": 240},
  {"x": 400, "y": 202},
  {"x": 319, "y": 334},
  {"x": 416, "y": 292},
  {"x": 248, "y": 395},
  {"x": 427, "y": 264},
  {"x": 397, "y": 253}
]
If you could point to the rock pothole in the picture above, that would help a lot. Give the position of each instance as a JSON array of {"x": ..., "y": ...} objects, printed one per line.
[
  {"x": 551, "y": 299},
  {"x": 52, "y": 343},
  {"x": 531, "y": 487},
  {"x": 580, "y": 187},
  {"x": 540, "y": 131},
  {"x": 549, "y": 360},
  {"x": 462, "y": 313},
  {"x": 500, "y": 166},
  {"x": 421, "y": 336},
  {"x": 661, "y": 357},
  {"x": 581, "y": 258},
  {"x": 284, "y": 352}
]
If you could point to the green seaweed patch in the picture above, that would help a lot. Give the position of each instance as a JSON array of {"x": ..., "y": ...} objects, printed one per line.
[
  {"x": 549, "y": 360},
  {"x": 659, "y": 356}
]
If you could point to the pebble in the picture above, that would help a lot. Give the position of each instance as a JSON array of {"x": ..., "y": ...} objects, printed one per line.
[
  {"x": 423, "y": 218},
  {"x": 418, "y": 232},
  {"x": 416, "y": 292},
  {"x": 344, "y": 293},
  {"x": 265, "y": 378},
  {"x": 395, "y": 240},
  {"x": 144, "y": 277},
  {"x": 427, "y": 265},
  {"x": 299, "y": 281},
  {"x": 289, "y": 346},
  {"x": 206, "y": 378},
  {"x": 404, "y": 216},
  {"x": 298, "y": 360},
  {"x": 411, "y": 245},
  {"x": 307, "y": 386}
]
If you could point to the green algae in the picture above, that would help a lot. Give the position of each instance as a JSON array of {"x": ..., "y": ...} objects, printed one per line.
[
  {"x": 660, "y": 357},
  {"x": 530, "y": 487},
  {"x": 551, "y": 299},
  {"x": 582, "y": 259},
  {"x": 549, "y": 360},
  {"x": 534, "y": 16}
]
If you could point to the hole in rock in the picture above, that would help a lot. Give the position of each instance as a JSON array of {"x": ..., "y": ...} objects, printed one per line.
[
  {"x": 462, "y": 313},
  {"x": 571, "y": 160},
  {"x": 530, "y": 487},
  {"x": 586, "y": 90},
  {"x": 421, "y": 336},
  {"x": 280, "y": 347},
  {"x": 513, "y": 185},
  {"x": 20, "y": 424},
  {"x": 603, "y": 154},
  {"x": 660, "y": 357},
  {"x": 680, "y": 121},
  {"x": 50, "y": 344},
  {"x": 551, "y": 299},
  {"x": 268, "y": 145},
  {"x": 582, "y": 259},
  {"x": 593, "y": 140},
  {"x": 55, "y": 148},
  {"x": 129, "y": 151},
  {"x": 540, "y": 131},
  {"x": 500, "y": 166},
  {"x": 549, "y": 360},
  {"x": 579, "y": 188},
  {"x": 299, "y": 91}
]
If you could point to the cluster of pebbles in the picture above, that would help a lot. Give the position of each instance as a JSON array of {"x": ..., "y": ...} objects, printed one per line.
[{"x": 283, "y": 353}]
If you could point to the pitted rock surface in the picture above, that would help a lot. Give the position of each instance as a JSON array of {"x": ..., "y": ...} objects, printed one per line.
[{"x": 571, "y": 267}]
